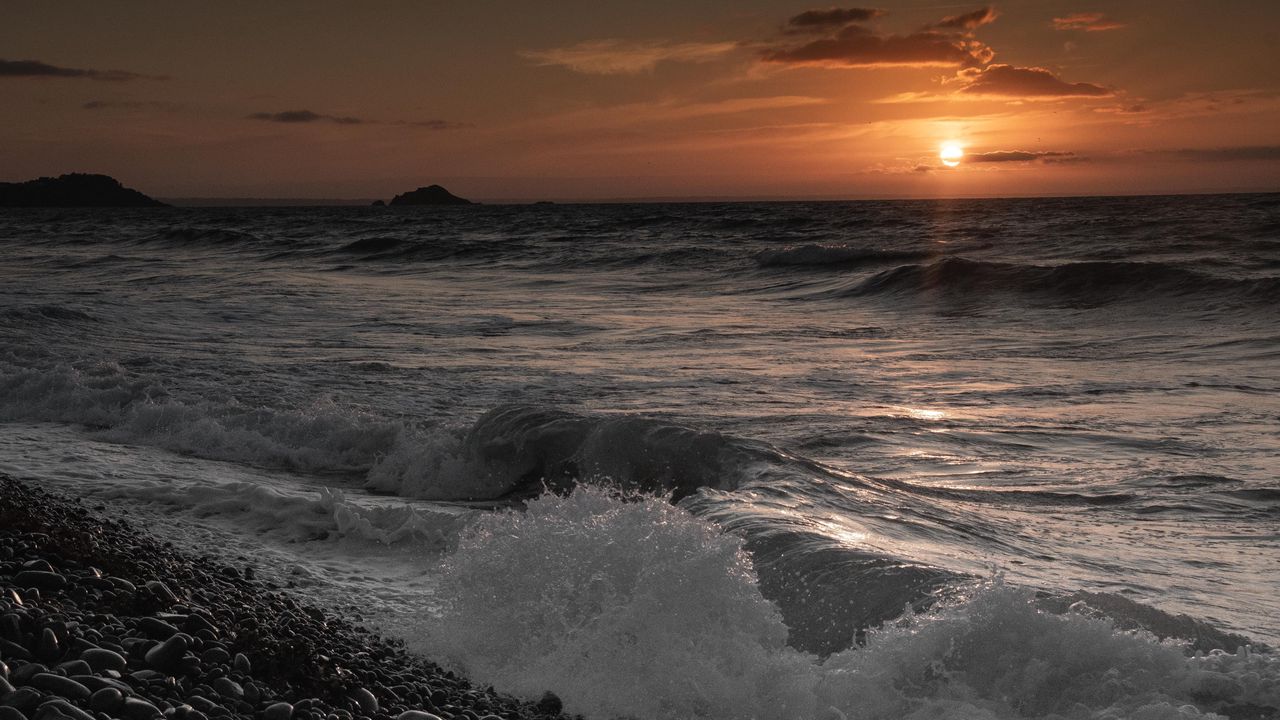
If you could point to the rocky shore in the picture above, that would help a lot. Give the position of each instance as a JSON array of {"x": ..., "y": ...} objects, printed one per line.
[{"x": 100, "y": 621}]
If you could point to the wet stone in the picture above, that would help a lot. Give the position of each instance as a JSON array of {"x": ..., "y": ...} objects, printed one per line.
[
  {"x": 43, "y": 579},
  {"x": 107, "y": 700},
  {"x": 100, "y": 659}
]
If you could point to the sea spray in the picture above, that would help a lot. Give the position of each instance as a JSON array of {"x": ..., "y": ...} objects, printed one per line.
[
  {"x": 623, "y": 607},
  {"x": 631, "y": 607}
]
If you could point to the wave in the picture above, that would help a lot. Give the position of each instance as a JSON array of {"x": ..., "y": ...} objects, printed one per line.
[
  {"x": 629, "y": 607},
  {"x": 201, "y": 236},
  {"x": 833, "y": 256},
  {"x": 27, "y": 315},
  {"x": 1088, "y": 283},
  {"x": 523, "y": 450},
  {"x": 123, "y": 406}
]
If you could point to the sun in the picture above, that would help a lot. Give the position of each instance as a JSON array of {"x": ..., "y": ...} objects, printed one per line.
[{"x": 951, "y": 153}]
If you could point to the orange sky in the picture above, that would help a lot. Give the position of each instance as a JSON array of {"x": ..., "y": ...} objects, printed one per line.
[{"x": 587, "y": 100}]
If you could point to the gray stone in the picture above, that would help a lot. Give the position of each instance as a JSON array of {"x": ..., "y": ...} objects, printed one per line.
[
  {"x": 107, "y": 700},
  {"x": 368, "y": 703},
  {"x": 278, "y": 711},
  {"x": 168, "y": 655},
  {"x": 102, "y": 659},
  {"x": 59, "y": 685}
]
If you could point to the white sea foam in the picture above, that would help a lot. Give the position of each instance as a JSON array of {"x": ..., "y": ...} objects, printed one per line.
[{"x": 636, "y": 609}]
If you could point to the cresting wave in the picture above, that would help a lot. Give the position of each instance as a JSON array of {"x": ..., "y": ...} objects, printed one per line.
[
  {"x": 833, "y": 256},
  {"x": 629, "y": 607},
  {"x": 1085, "y": 283}
]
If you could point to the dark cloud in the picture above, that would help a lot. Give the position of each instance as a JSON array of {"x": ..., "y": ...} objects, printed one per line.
[
  {"x": 856, "y": 46},
  {"x": 37, "y": 69},
  {"x": 831, "y": 18},
  {"x": 1220, "y": 154},
  {"x": 130, "y": 105},
  {"x": 1011, "y": 81},
  {"x": 303, "y": 116},
  {"x": 845, "y": 43},
  {"x": 436, "y": 124},
  {"x": 970, "y": 20},
  {"x": 1089, "y": 22},
  {"x": 308, "y": 116},
  {"x": 1016, "y": 156}
]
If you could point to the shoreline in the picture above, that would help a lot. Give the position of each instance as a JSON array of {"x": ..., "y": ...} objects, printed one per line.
[{"x": 98, "y": 619}]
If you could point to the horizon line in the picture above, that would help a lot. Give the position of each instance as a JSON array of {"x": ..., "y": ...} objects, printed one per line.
[{"x": 268, "y": 201}]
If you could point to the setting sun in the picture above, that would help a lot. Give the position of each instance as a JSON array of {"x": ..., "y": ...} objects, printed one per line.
[{"x": 951, "y": 153}]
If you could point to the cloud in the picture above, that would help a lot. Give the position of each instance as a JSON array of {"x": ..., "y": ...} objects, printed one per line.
[
  {"x": 620, "y": 57},
  {"x": 308, "y": 116},
  {"x": 847, "y": 44},
  {"x": 1023, "y": 82},
  {"x": 37, "y": 69},
  {"x": 1089, "y": 22},
  {"x": 435, "y": 124},
  {"x": 131, "y": 105},
  {"x": 303, "y": 116},
  {"x": 830, "y": 18},
  {"x": 856, "y": 46},
  {"x": 968, "y": 21},
  {"x": 1224, "y": 154},
  {"x": 1000, "y": 156}
]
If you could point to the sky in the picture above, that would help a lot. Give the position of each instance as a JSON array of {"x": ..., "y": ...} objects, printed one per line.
[{"x": 578, "y": 100}]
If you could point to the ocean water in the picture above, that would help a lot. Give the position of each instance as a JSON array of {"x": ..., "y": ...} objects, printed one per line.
[{"x": 968, "y": 458}]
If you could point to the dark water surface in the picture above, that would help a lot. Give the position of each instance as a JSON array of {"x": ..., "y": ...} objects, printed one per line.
[{"x": 883, "y": 400}]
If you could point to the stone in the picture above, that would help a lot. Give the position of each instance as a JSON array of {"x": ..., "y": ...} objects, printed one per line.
[
  {"x": 107, "y": 700},
  {"x": 43, "y": 579},
  {"x": 417, "y": 715},
  {"x": 157, "y": 628},
  {"x": 139, "y": 709},
  {"x": 59, "y": 685},
  {"x": 61, "y": 708},
  {"x": 226, "y": 687},
  {"x": 365, "y": 699},
  {"x": 278, "y": 711},
  {"x": 167, "y": 656},
  {"x": 102, "y": 659}
]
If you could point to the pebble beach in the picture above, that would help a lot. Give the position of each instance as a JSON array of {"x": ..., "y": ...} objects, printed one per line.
[{"x": 98, "y": 620}]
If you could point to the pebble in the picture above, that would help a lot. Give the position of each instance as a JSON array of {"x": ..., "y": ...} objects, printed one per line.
[
  {"x": 102, "y": 659},
  {"x": 368, "y": 703},
  {"x": 61, "y": 708},
  {"x": 417, "y": 715},
  {"x": 139, "y": 709},
  {"x": 226, "y": 687},
  {"x": 106, "y": 700},
  {"x": 156, "y": 628},
  {"x": 240, "y": 663},
  {"x": 278, "y": 711},
  {"x": 59, "y": 685},
  {"x": 48, "y": 648},
  {"x": 43, "y": 579},
  {"x": 24, "y": 698},
  {"x": 11, "y": 713},
  {"x": 167, "y": 655}
]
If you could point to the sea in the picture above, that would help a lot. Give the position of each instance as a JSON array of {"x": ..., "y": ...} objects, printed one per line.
[{"x": 975, "y": 458}]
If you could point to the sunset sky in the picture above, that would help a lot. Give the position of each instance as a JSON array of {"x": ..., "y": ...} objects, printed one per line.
[{"x": 596, "y": 100}]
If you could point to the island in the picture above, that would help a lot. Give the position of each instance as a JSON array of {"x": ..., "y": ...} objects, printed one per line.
[
  {"x": 430, "y": 195},
  {"x": 73, "y": 190}
]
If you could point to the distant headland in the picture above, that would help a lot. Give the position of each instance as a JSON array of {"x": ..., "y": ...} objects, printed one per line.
[
  {"x": 430, "y": 195},
  {"x": 73, "y": 190}
]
